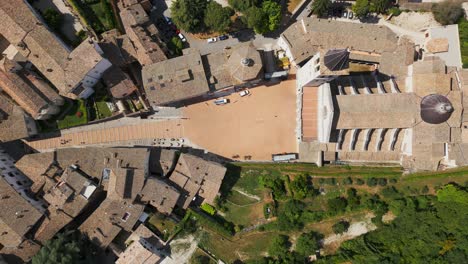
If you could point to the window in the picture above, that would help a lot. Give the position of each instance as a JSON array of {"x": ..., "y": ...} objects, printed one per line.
[
  {"x": 160, "y": 77},
  {"x": 163, "y": 85},
  {"x": 126, "y": 216},
  {"x": 152, "y": 88},
  {"x": 149, "y": 80}
]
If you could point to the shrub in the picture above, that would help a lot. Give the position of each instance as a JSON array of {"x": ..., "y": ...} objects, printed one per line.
[
  {"x": 337, "y": 205},
  {"x": 208, "y": 209},
  {"x": 347, "y": 181},
  {"x": 390, "y": 192},
  {"x": 395, "y": 11},
  {"x": 448, "y": 12},
  {"x": 382, "y": 181},
  {"x": 79, "y": 114},
  {"x": 371, "y": 182},
  {"x": 340, "y": 227},
  {"x": 360, "y": 182},
  {"x": 393, "y": 180}
]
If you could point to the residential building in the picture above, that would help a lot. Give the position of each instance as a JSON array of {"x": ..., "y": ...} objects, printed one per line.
[
  {"x": 17, "y": 216},
  {"x": 143, "y": 34},
  {"x": 193, "y": 77},
  {"x": 174, "y": 80},
  {"x": 119, "y": 83},
  {"x": 14, "y": 122},
  {"x": 73, "y": 73},
  {"x": 21, "y": 88},
  {"x": 197, "y": 177},
  {"x": 144, "y": 247},
  {"x": 160, "y": 195}
]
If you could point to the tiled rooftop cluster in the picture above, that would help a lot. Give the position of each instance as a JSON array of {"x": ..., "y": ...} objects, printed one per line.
[
  {"x": 67, "y": 70},
  {"x": 72, "y": 181}
]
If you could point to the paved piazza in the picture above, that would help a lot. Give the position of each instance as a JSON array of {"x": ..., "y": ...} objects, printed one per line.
[
  {"x": 258, "y": 125},
  {"x": 252, "y": 127}
]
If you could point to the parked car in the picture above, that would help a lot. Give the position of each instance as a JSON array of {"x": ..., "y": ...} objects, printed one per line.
[
  {"x": 223, "y": 37},
  {"x": 211, "y": 40},
  {"x": 168, "y": 20},
  {"x": 350, "y": 16},
  {"x": 221, "y": 101},
  {"x": 345, "y": 14},
  {"x": 244, "y": 93},
  {"x": 182, "y": 37}
]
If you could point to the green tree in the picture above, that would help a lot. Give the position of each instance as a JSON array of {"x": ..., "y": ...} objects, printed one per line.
[
  {"x": 380, "y": 6},
  {"x": 448, "y": 12},
  {"x": 53, "y": 18},
  {"x": 243, "y": 5},
  {"x": 361, "y": 8},
  {"x": 66, "y": 247},
  {"x": 337, "y": 205},
  {"x": 279, "y": 246},
  {"x": 347, "y": 181},
  {"x": 371, "y": 182},
  {"x": 200, "y": 259},
  {"x": 189, "y": 14},
  {"x": 290, "y": 216},
  {"x": 308, "y": 243},
  {"x": 353, "y": 199},
  {"x": 340, "y": 227},
  {"x": 176, "y": 45},
  {"x": 257, "y": 20},
  {"x": 217, "y": 17},
  {"x": 300, "y": 186},
  {"x": 273, "y": 11},
  {"x": 320, "y": 7}
]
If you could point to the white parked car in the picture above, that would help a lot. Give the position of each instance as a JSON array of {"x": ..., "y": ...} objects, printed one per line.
[
  {"x": 182, "y": 37},
  {"x": 221, "y": 101},
  {"x": 211, "y": 40},
  {"x": 244, "y": 93}
]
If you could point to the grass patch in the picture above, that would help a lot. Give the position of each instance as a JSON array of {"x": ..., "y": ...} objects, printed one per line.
[
  {"x": 73, "y": 118},
  {"x": 292, "y": 4},
  {"x": 162, "y": 225},
  {"x": 463, "y": 32},
  {"x": 96, "y": 14},
  {"x": 331, "y": 170},
  {"x": 103, "y": 12},
  {"x": 103, "y": 110}
]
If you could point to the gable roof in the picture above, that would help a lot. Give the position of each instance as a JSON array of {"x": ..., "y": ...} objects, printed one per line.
[
  {"x": 160, "y": 195},
  {"x": 197, "y": 176}
]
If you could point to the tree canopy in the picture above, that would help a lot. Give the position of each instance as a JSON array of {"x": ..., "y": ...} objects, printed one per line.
[
  {"x": 290, "y": 215},
  {"x": 428, "y": 230},
  {"x": 243, "y": 5},
  {"x": 308, "y": 243},
  {"x": 361, "y": 8},
  {"x": 279, "y": 246},
  {"x": 218, "y": 18},
  {"x": 53, "y": 18},
  {"x": 320, "y": 7},
  {"x": 273, "y": 11},
  {"x": 189, "y": 14},
  {"x": 66, "y": 247}
]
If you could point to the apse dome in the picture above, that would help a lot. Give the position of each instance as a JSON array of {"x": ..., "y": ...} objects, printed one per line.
[{"x": 435, "y": 109}]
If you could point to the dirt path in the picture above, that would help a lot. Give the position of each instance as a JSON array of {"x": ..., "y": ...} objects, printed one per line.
[{"x": 255, "y": 197}]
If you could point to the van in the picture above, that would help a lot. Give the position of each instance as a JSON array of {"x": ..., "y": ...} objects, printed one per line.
[{"x": 221, "y": 101}]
